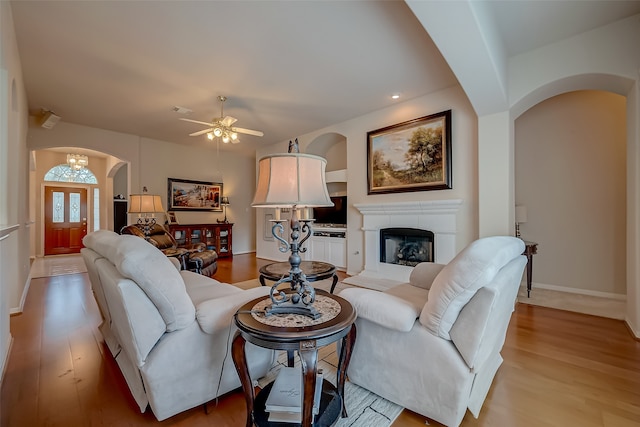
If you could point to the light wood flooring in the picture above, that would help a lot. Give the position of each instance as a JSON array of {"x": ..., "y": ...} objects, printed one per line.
[{"x": 560, "y": 368}]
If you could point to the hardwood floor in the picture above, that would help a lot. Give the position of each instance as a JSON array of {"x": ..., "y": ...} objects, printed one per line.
[{"x": 560, "y": 368}]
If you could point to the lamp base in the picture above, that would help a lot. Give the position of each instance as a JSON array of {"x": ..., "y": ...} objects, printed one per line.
[{"x": 293, "y": 308}]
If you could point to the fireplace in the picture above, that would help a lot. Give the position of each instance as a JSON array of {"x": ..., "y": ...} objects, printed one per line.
[
  {"x": 405, "y": 246},
  {"x": 439, "y": 217}
]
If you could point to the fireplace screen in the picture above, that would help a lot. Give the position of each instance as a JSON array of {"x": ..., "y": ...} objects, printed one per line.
[{"x": 406, "y": 246}]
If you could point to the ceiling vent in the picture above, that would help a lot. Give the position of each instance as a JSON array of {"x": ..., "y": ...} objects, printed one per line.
[{"x": 49, "y": 120}]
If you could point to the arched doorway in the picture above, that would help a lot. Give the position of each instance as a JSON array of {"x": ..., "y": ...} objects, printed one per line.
[{"x": 66, "y": 208}]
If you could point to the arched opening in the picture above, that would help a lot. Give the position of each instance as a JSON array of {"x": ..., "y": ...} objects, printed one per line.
[
  {"x": 50, "y": 169},
  {"x": 570, "y": 175}
]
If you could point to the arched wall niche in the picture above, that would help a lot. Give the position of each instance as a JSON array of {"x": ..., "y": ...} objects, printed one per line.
[{"x": 333, "y": 147}]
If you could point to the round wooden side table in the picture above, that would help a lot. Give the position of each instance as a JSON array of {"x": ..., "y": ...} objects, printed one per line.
[{"x": 297, "y": 333}]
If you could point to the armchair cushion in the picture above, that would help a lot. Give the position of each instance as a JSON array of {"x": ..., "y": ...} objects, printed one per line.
[
  {"x": 381, "y": 308},
  {"x": 158, "y": 278},
  {"x": 459, "y": 280}
]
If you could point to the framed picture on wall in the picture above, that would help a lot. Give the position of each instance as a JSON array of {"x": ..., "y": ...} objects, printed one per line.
[
  {"x": 188, "y": 195},
  {"x": 410, "y": 156}
]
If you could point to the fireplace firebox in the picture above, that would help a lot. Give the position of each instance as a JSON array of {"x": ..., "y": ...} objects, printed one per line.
[{"x": 406, "y": 246}]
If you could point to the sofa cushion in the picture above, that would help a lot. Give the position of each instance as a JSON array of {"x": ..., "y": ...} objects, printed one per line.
[
  {"x": 142, "y": 262},
  {"x": 458, "y": 282}
]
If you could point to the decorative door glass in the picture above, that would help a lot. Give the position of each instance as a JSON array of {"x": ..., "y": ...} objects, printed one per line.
[
  {"x": 74, "y": 207},
  {"x": 58, "y": 206}
]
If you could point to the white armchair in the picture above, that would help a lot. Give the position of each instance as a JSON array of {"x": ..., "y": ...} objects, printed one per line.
[{"x": 433, "y": 345}]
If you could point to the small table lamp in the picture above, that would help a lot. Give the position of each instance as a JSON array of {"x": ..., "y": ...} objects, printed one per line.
[
  {"x": 224, "y": 202},
  {"x": 143, "y": 205},
  {"x": 295, "y": 181}
]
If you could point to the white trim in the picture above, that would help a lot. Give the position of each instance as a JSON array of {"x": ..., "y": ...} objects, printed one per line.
[
  {"x": 610, "y": 295},
  {"x": 5, "y": 230},
  {"x": 635, "y": 333},
  {"x": 25, "y": 290}
]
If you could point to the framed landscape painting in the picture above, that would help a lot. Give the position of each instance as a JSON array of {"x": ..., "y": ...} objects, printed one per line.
[
  {"x": 190, "y": 195},
  {"x": 410, "y": 156}
]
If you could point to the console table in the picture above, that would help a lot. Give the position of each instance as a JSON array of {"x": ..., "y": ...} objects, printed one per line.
[
  {"x": 217, "y": 237},
  {"x": 304, "y": 335}
]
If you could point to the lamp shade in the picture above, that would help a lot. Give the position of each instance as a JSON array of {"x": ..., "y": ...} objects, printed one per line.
[
  {"x": 521, "y": 214},
  {"x": 224, "y": 200},
  {"x": 291, "y": 179},
  {"x": 145, "y": 203}
]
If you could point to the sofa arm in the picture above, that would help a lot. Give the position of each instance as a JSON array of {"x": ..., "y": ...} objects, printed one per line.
[
  {"x": 215, "y": 314},
  {"x": 384, "y": 309}
]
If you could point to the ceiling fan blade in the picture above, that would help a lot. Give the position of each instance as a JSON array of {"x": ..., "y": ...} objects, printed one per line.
[
  {"x": 228, "y": 121},
  {"x": 235, "y": 141},
  {"x": 195, "y": 121},
  {"x": 201, "y": 132},
  {"x": 248, "y": 131}
]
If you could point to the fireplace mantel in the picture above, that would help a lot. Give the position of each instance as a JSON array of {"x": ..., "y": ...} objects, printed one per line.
[{"x": 437, "y": 216}]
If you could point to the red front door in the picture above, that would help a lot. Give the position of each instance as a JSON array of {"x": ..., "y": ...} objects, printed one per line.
[{"x": 65, "y": 219}]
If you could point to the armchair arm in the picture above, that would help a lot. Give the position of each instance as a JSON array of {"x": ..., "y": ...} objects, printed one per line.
[
  {"x": 216, "y": 314},
  {"x": 384, "y": 309}
]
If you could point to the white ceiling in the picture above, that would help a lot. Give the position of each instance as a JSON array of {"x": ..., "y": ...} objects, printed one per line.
[{"x": 287, "y": 67}]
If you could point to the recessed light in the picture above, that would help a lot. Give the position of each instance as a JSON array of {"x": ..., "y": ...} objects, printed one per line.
[{"x": 395, "y": 96}]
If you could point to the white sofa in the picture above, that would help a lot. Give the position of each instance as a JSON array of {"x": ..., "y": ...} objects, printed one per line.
[
  {"x": 433, "y": 345},
  {"x": 169, "y": 330}
]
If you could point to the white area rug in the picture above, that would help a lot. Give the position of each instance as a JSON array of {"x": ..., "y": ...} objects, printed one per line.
[{"x": 365, "y": 409}]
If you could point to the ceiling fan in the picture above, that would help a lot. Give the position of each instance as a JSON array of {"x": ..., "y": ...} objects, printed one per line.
[{"x": 222, "y": 127}]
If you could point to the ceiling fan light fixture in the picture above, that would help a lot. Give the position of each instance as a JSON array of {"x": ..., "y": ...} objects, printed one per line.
[
  {"x": 217, "y": 132},
  {"x": 210, "y": 136},
  {"x": 234, "y": 136},
  {"x": 225, "y": 138}
]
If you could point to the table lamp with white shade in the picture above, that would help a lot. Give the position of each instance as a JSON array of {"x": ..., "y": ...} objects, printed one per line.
[
  {"x": 296, "y": 182},
  {"x": 146, "y": 206}
]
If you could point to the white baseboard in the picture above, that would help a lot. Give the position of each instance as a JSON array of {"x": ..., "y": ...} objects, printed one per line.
[
  {"x": 5, "y": 358},
  {"x": 610, "y": 295},
  {"x": 634, "y": 331},
  {"x": 25, "y": 291}
]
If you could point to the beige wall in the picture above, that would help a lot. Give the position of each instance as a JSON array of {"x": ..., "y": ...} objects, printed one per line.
[
  {"x": 153, "y": 161},
  {"x": 15, "y": 227},
  {"x": 464, "y": 157},
  {"x": 570, "y": 156}
]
